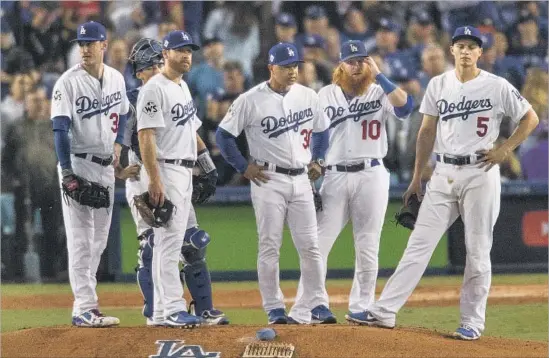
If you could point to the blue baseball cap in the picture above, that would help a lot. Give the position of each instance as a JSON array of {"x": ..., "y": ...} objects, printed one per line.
[
  {"x": 351, "y": 49},
  {"x": 283, "y": 53},
  {"x": 313, "y": 41},
  {"x": 467, "y": 32},
  {"x": 487, "y": 40},
  {"x": 91, "y": 31},
  {"x": 315, "y": 12},
  {"x": 286, "y": 20},
  {"x": 387, "y": 25},
  {"x": 423, "y": 18},
  {"x": 176, "y": 39}
]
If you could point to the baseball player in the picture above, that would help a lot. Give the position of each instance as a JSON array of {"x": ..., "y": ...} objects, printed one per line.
[
  {"x": 278, "y": 117},
  {"x": 356, "y": 108},
  {"x": 462, "y": 112},
  {"x": 90, "y": 103},
  {"x": 146, "y": 59},
  {"x": 167, "y": 124}
]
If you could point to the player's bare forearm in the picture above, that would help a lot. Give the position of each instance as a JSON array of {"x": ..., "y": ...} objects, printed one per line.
[
  {"x": 527, "y": 124},
  {"x": 147, "y": 146},
  {"x": 200, "y": 145},
  {"x": 398, "y": 97},
  {"x": 424, "y": 145}
]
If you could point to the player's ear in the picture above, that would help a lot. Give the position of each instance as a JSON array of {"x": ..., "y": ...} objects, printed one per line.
[{"x": 104, "y": 45}]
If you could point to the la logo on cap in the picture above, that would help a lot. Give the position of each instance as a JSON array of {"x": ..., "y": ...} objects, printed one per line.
[
  {"x": 82, "y": 30},
  {"x": 271, "y": 58},
  {"x": 166, "y": 43},
  {"x": 185, "y": 37},
  {"x": 353, "y": 48},
  {"x": 467, "y": 31},
  {"x": 290, "y": 51}
]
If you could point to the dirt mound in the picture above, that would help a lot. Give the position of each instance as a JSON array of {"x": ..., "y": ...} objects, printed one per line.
[{"x": 310, "y": 342}]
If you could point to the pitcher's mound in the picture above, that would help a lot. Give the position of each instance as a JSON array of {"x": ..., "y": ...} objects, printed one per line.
[{"x": 318, "y": 341}]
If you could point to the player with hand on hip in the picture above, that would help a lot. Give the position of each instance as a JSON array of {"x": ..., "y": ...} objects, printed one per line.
[
  {"x": 167, "y": 125},
  {"x": 462, "y": 113},
  {"x": 356, "y": 108},
  {"x": 279, "y": 117},
  {"x": 146, "y": 60},
  {"x": 90, "y": 103}
]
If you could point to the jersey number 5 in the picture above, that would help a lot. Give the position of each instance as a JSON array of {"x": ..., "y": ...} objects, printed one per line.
[
  {"x": 114, "y": 118},
  {"x": 482, "y": 126},
  {"x": 371, "y": 129},
  {"x": 306, "y": 133}
]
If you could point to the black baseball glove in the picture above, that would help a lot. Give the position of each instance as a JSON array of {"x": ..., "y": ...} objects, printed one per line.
[
  {"x": 408, "y": 213},
  {"x": 86, "y": 192},
  {"x": 154, "y": 216},
  {"x": 204, "y": 187},
  {"x": 318, "y": 201}
]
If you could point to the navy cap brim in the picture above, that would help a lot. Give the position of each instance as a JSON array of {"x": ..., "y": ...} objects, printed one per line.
[
  {"x": 287, "y": 62},
  {"x": 355, "y": 55},
  {"x": 86, "y": 39},
  {"x": 467, "y": 37},
  {"x": 192, "y": 46}
]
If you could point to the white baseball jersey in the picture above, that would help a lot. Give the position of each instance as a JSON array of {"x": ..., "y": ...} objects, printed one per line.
[
  {"x": 278, "y": 128},
  {"x": 357, "y": 127},
  {"x": 169, "y": 107},
  {"x": 93, "y": 106},
  {"x": 470, "y": 113}
]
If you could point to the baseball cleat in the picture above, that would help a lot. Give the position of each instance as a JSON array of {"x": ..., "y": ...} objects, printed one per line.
[
  {"x": 94, "y": 319},
  {"x": 214, "y": 317},
  {"x": 278, "y": 316},
  {"x": 466, "y": 333},
  {"x": 365, "y": 318},
  {"x": 291, "y": 320},
  {"x": 182, "y": 320},
  {"x": 322, "y": 314},
  {"x": 151, "y": 322}
]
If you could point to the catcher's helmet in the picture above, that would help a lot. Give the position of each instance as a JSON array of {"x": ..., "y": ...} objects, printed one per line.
[{"x": 145, "y": 53}]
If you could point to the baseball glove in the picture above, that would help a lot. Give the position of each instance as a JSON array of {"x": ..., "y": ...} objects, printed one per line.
[
  {"x": 318, "y": 201},
  {"x": 153, "y": 216},
  {"x": 408, "y": 213},
  {"x": 204, "y": 187},
  {"x": 86, "y": 192}
]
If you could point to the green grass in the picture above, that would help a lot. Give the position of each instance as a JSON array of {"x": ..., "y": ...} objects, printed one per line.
[
  {"x": 234, "y": 241},
  {"x": 519, "y": 322}
]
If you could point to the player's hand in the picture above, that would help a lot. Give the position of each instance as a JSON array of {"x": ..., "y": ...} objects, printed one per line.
[
  {"x": 156, "y": 193},
  {"x": 129, "y": 172},
  {"x": 414, "y": 188},
  {"x": 315, "y": 171},
  {"x": 373, "y": 66},
  {"x": 116, "y": 154},
  {"x": 256, "y": 174},
  {"x": 493, "y": 157}
]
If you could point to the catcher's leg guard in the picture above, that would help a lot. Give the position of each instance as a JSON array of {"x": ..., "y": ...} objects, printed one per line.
[
  {"x": 195, "y": 270},
  {"x": 144, "y": 270}
]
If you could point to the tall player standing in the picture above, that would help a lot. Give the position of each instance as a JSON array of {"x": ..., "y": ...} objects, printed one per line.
[
  {"x": 146, "y": 60},
  {"x": 90, "y": 103},
  {"x": 462, "y": 113},
  {"x": 167, "y": 124},
  {"x": 356, "y": 184},
  {"x": 279, "y": 116}
]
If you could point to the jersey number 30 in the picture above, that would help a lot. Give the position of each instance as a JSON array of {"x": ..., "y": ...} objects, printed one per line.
[{"x": 114, "y": 118}]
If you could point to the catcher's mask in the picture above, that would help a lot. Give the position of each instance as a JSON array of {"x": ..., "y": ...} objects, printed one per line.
[{"x": 145, "y": 53}]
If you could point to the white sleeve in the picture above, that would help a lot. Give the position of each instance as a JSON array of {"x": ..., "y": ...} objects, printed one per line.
[
  {"x": 149, "y": 111},
  {"x": 237, "y": 117},
  {"x": 514, "y": 105},
  {"x": 322, "y": 122},
  {"x": 429, "y": 103},
  {"x": 61, "y": 100}
]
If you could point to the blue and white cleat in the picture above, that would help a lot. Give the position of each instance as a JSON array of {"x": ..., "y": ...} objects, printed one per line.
[
  {"x": 152, "y": 322},
  {"x": 466, "y": 333},
  {"x": 278, "y": 316},
  {"x": 94, "y": 319},
  {"x": 365, "y": 318},
  {"x": 214, "y": 317},
  {"x": 182, "y": 320},
  {"x": 322, "y": 314}
]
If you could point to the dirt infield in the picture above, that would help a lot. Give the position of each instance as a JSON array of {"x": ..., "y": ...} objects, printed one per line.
[
  {"x": 310, "y": 342},
  {"x": 422, "y": 296}
]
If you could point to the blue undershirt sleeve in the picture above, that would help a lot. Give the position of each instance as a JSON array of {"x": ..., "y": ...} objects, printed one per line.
[
  {"x": 62, "y": 142},
  {"x": 229, "y": 150},
  {"x": 320, "y": 144}
]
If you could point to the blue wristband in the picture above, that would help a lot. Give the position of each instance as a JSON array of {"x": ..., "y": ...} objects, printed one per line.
[{"x": 384, "y": 82}]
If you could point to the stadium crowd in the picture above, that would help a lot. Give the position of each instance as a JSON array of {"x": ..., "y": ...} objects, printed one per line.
[{"x": 409, "y": 41}]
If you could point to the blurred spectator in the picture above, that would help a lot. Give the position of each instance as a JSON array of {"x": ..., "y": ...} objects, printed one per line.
[
  {"x": 205, "y": 78},
  {"x": 78, "y": 12},
  {"x": 307, "y": 76},
  {"x": 333, "y": 45},
  {"x": 285, "y": 28},
  {"x": 535, "y": 161},
  {"x": 29, "y": 161},
  {"x": 187, "y": 15},
  {"x": 526, "y": 43},
  {"x": 421, "y": 32},
  {"x": 387, "y": 38},
  {"x": 506, "y": 67},
  {"x": 355, "y": 27},
  {"x": 164, "y": 28},
  {"x": 314, "y": 52},
  {"x": 433, "y": 63},
  {"x": 315, "y": 22},
  {"x": 235, "y": 23},
  {"x": 13, "y": 106},
  {"x": 117, "y": 58},
  {"x": 123, "y": 14},
  {"x": 500, "y": 44}
]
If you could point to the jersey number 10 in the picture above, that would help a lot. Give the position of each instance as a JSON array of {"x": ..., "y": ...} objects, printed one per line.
[{"x": 371, "y": 129}]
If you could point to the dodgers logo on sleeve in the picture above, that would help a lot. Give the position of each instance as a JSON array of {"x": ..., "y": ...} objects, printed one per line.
[{"x": 150, "y": 109}]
